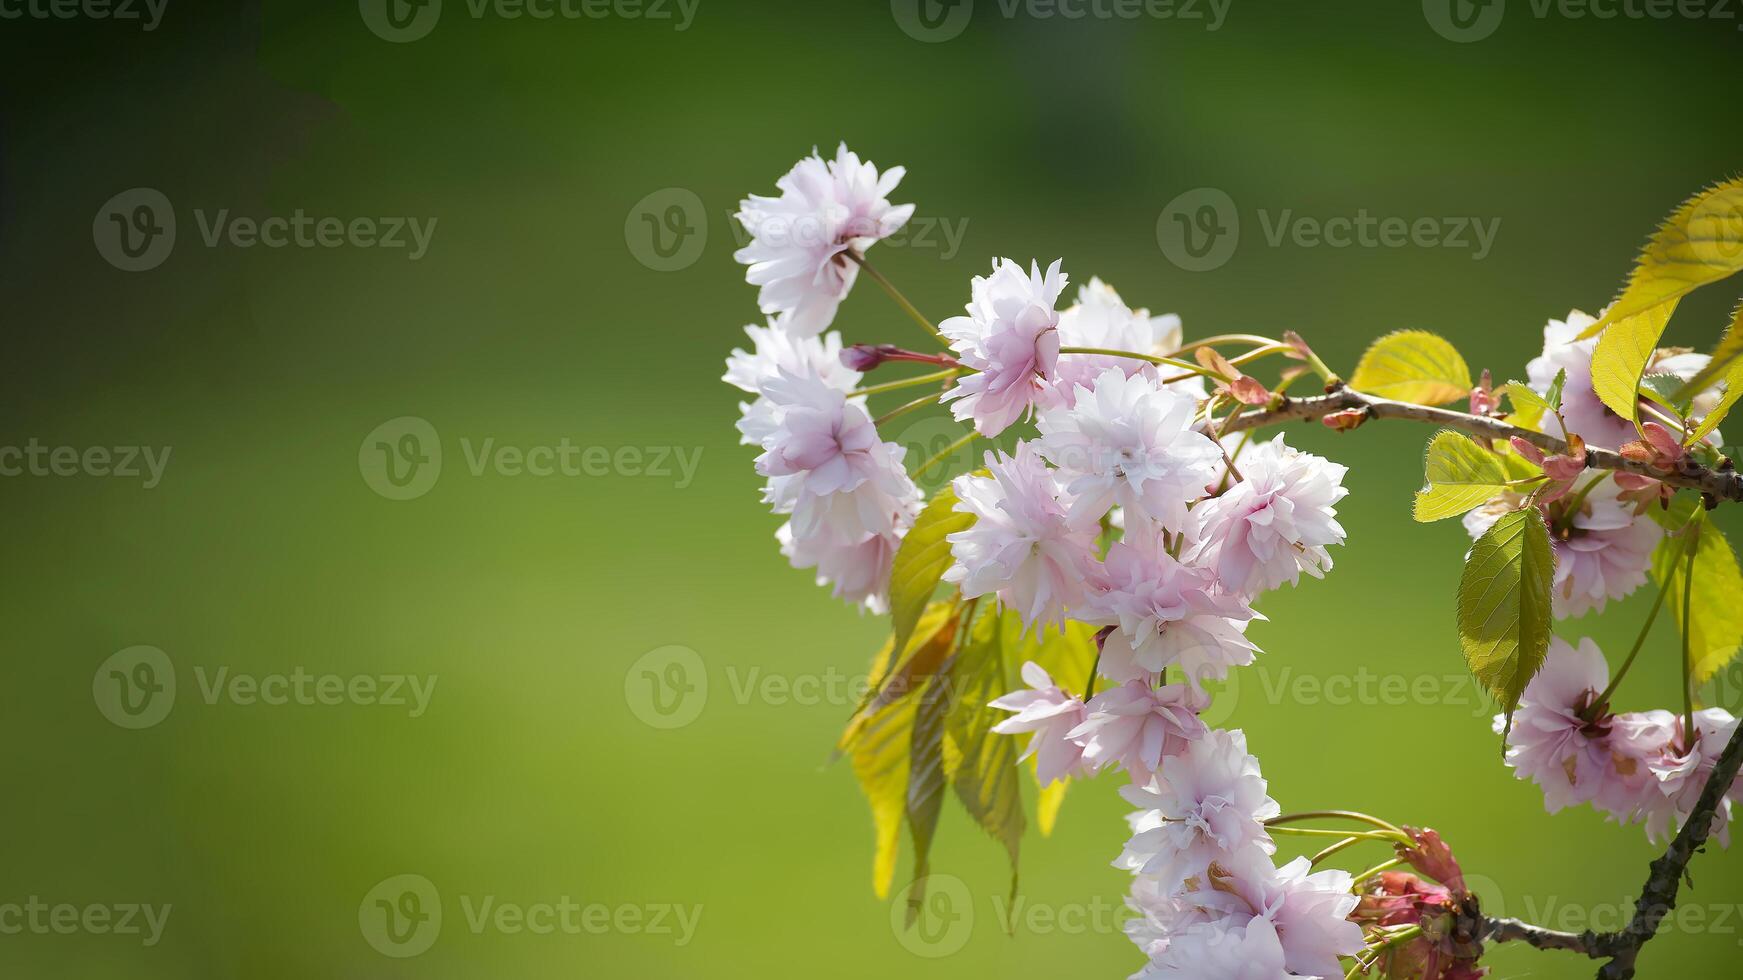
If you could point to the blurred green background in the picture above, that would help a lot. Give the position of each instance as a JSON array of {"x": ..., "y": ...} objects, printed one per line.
[{"x": 542, "y": 312}]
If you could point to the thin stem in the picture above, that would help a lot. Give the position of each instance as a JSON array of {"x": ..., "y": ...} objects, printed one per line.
[
  {"x": 1337, "y": 815},
  {"x": 900, "y": 383},
  {"x": 1639, "y": 641},
  {"x": 1377, "y": 870},
  {"x": 1688, "y": 595},
  {"x": 1229, "y": 338},
  {"x": 1246, "y": 358},
  {"x": 1333, "y": 849},
  {"x": 1152, "y": 358},
  {"x": 1321, "y": 832},
  {"x": 896, "y": 294},
  {"x": 944, "y": 453},
  {"x": 900, "y": 410}
]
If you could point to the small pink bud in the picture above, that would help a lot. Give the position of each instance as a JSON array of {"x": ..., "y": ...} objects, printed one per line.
[
  {"x": 1527, "y": 450},
  {"x": 863, "y": 357},
  {"x": 1249, "y": 391},
  {"x": 1564, "y": 467},
  {"x": 1346, "y": 420},
  {"x": 1669, "y": 447}
]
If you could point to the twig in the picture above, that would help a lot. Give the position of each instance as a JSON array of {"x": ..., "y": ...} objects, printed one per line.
[{"x": 1722, "y": 484}]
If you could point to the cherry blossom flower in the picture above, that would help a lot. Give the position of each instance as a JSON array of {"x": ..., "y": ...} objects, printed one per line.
[
  {"x": 1629, "y": 791},
  {"x": 857, "y": 571},
  {"x": 774, "y": 350},
  {"x": 1023, "y": 544},
  {"x": 1101, "y": 319},
  {"x": 1275, "y": 523},
  {"x": 1010, "y": 338},
  {"x": 1682, "y": 775},
  {"x": 1586, "y": 413},
  {"x": 1206, "y": 804},
  {"x": 1166, "y": 614},
  {"x": 1551, "y": 742},
  {"x": 1128, "y": 441},
  {"x": 1221, "y": 951},
  {"x": 1050, "y": 714},
  {"x": 1136, "y": 726},
  {"x": 800, "y": 240}
]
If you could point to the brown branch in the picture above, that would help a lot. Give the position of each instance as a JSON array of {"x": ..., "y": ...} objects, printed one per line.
[
  {"x": 1657, "y": 898},
  {"x": 1721, "y": 484}
]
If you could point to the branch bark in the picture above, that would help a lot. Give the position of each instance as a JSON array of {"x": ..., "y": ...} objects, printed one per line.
[
  {"x": 1657, "y": 897},
  {"x": 1721, "y": 484}
]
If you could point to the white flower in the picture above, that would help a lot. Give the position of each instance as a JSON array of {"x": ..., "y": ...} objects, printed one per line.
[
  {"x": 859, "y": 571},
  {"x": 1136, "y": 726},
  {"x": 827, "y": 467},
  {"x": 1585, "y": 412},
  {"x": 797, "y": 253},
  {"x": 1129, "y": 442},
  {"x": 1011, "y": 339},
  {"x": 774, "y": 350},
  {"x": 1220, "y": 950},
  {"x": 1050, "y": 713},
  {"x": 1207, "y": 804},
  {"x": 1100, "y": 318},
  {"x": 1167, "y": 614},
  {"x": 1311, "y": 912},
  {"x": 1275, "y": 523},
  {"x": 1023, "y": 544}
]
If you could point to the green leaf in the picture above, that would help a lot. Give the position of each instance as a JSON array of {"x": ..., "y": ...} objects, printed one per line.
[
  {"x": 1662, "y": 389},
  {"x": 1728, "y": 401},
  {"x": 1413, "y": 366},
  {"x": 1700, "y": 243},
  {"x": 1461, "y": 475},
  {"x": 898, "y": 677},
  {"x": 926, "y": 777},
  {"x": 920, "y": 562},
  {"x": 1729, "y": 349},
  {"x": 1553, "y": 394},
  {"x": 1529, "y": 408},
  {"x": 1620, "y": 360},
  {"x": 1504, "y": 606},
  {"x": 986, "y": 776},
  {"x": 1715, "y": 621}
]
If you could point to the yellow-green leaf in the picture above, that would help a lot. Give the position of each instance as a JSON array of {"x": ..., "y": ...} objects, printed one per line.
[
  {"x": 1727, "y": 401},
  {"x": 1504, "y": 605},
  {"x": 926, "y": 778},
  {"x": 1413, "y": 366},
  {"x": 1700, "y": 243},
  {"x": 1715, "y": 621},
  {"x": 1461, "y": 475},
  {"x": 1529, "y": 408},
  {"x": 986, "y": 776},
  {"x": 921, "y": 560},
  {"x": 1728, "y": 351},
  {"x": 1624, "y": 350}
]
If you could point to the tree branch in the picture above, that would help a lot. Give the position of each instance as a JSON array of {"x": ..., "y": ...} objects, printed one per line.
[
  {"x": 1657, "y": 898},
  {"x": 1721, "y": 484}
]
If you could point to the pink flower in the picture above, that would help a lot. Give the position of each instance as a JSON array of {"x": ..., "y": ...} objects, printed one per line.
[
  {"x": 1136, "y": 726},
  {"x": 1101, "y": 319},
  {"x": 1166, "y": 614},
  {"x": 1011, "y": 338},
  {"x": 1683, "y": 775},
  {"x": 857, "y": 570},
  {"x": 1585, "y": 412},
  {"x": 1602, "y": 552},
  {"x": 1206, "y": 804},
  {"x": 1275, "y": 523},
  {"x": 1551, "y": 743},
  {"x": 1051, "y": 714},
  {"x": 1222, "y": 951},
  {"x": 1024, "y": 544}
]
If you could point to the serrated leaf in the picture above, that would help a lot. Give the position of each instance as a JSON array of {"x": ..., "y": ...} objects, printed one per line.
[
  {"x": 921, "y": 560},
  {"x": 1662, "y": 390},
  {"x": 1715, "y": 621},
  {"x": 926, "y": 778},
  {"x": 1413, "y": 366},
  {"x": 1529, "y": 408},
  {"x": 1461, "y": 475},
  {"x": 1727, "y": 401},
  {"x": 1623, "y": 351},
  {"x": 986, "y": 776},
  {"x": 1700, "y": 243},
  {"x": 1726, "y": 354},
  {"x": 898, "y": 677},
  {"x": 1504, "y": 604}
]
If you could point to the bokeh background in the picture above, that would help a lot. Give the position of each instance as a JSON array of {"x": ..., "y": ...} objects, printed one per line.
[{"x": 547, "y": 151}]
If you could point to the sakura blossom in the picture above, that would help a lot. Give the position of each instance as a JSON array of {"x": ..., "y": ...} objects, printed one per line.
[
  {"x": 1136, "y": 726},
  {"x": 1166, "y": 614},
  {"x": 1682, "y": 770},
  {"x": 1553, "y": 741},
  {"x": 857, "y": 571},
  {"x": 1275, "y": 523},
  {"x": 1101, "y": 319},
  {"x": 1585, "y": 412},
  {"x": 1205, "y": 805},
  {"x": 1051, "y": 715},
  {"x": 776, "y": 350},
  {"x": 1010, "y": 338},
  {"x": 800, "y": 241},
  {"x": 1127, "y": 441},
  {"x": 1024, "y": 545}
]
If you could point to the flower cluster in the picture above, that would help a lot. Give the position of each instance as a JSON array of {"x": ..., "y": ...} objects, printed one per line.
[{"x": 1644, "y": 767}]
